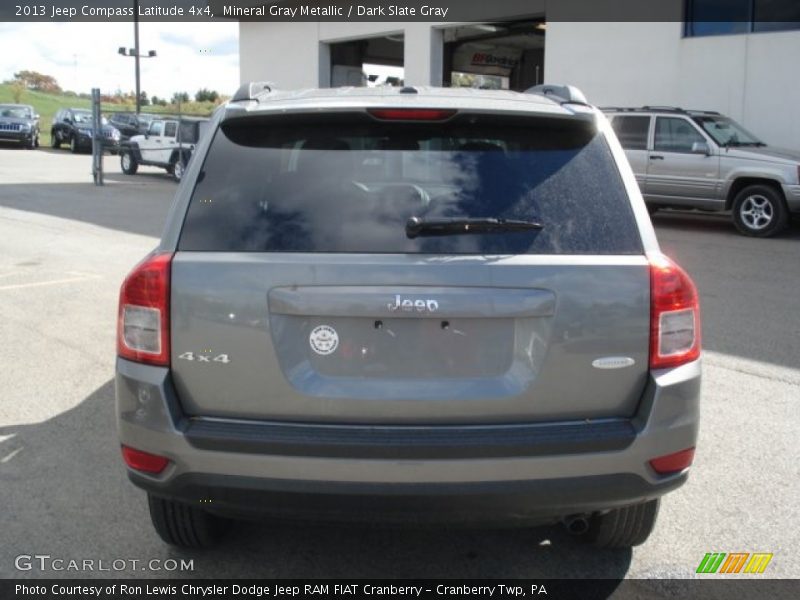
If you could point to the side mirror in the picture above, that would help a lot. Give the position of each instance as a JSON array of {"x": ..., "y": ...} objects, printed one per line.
[{"x": 701, "y": 148}]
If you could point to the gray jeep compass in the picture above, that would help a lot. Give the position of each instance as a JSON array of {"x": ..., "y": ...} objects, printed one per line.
[{"x": 409, "y": 305}]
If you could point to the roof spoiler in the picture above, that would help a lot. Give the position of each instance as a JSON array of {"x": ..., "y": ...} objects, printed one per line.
[
  {"x": 252, "y": 90},
  {"x": 565, "y": 94}
]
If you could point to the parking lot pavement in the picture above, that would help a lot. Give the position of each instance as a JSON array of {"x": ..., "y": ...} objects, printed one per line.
[{"x": 64, "y": 249}]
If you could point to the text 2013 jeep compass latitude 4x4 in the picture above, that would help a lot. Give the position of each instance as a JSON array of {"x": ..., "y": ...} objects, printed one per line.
[{"x": 408, "y": 305}]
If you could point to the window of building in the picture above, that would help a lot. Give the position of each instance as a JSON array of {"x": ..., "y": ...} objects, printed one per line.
[
  {"x": 721, "y": 17},
  {"x": 632, "y": 131}
]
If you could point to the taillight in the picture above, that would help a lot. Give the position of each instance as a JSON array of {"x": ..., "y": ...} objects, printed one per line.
[
  {"x": 674, "y": 315},
  {"x": 673, "y": 463},
  {"x": 144, "y": 461},
  {"x": 411, "y": 114},
  {"x": 143, "y": 324}
]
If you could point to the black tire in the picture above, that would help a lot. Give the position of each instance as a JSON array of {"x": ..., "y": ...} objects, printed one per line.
[
  {"x": 760, "y": 211},
  {"x": 32, "y": 144},
  {"x": 55, "y": 143},
  {"x": 183, "y": 525},
  {"x": 624, "y": 527},
  {"x": 127, "y": 161},
  {"x": 73, "y": 145}
]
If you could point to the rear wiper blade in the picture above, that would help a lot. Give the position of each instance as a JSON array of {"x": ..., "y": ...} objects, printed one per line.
[{"x": 416, "y": 227}]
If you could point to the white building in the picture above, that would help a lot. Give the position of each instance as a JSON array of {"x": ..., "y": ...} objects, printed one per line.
[{"x": 746, "y": 69}]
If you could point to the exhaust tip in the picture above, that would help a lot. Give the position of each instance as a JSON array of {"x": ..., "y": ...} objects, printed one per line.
[{"x": 576, "y": 524}]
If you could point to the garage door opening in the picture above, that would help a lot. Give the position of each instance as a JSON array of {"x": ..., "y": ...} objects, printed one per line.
[
  {"x": 507, "y": 56},
  {"x": 368, "y": 62}
]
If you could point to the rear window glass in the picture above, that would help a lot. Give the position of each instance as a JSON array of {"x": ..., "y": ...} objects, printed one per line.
[
  {"x": 632, "y": 131},
  {"x": 351, "y": 185}
]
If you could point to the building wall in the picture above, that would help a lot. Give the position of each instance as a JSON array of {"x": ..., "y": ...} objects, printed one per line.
[
  {"x": 750, "y": 77},
  {"x": 294, "y": 55}
]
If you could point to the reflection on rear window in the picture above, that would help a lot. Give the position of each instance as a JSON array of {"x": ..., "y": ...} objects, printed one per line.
[{"x": 351, "y": 187}]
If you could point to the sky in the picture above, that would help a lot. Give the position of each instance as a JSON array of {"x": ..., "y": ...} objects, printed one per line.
[{"x": 84, "y": 55}]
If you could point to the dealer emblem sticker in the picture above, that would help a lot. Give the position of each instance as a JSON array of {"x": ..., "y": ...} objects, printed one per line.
[{"x": 324, "y": 340}]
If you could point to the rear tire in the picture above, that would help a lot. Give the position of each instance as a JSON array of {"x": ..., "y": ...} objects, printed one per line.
[
  {"x": 624, "y": 527},
  {"x": 55, "y": 143},
  {"x": 179, "y": 524},
  {"x": 760, "y": 211},
  {"x": 73, "y": 144},
  {"x": 127, "y": 163}
]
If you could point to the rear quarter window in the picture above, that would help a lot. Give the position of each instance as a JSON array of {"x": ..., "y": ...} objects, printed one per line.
[{"x": 349, "y": 184}]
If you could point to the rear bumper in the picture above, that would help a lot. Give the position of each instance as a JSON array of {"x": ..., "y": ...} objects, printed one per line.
[
  {"x": 792, "y": 195},
  {"x": 497, "y": 502},
  {"x": 531, "y": 473}
]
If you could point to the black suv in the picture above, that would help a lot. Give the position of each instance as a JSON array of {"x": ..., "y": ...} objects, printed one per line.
[
  {"x": 129, "y": 124},
  {"x": 73, "y": 126},
  {"x": 19, "y": 123}
]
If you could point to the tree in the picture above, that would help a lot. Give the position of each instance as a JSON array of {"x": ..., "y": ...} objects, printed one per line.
[
  {"x": 143, "y": 99},
  {"x": 17, "y": 91},
  {"x": 40, "y": 82},
  {"x": 156, "y": 101},
  {"x": 180, "y": 97},
  {"x": 205, "y": 95}
]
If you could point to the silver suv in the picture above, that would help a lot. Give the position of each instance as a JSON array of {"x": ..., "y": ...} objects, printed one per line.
[
  {"x": 408, "y": 305},
  {"x": 704, "y": 160}
]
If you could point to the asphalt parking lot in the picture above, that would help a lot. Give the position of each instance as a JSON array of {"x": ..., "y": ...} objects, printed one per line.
[{"x": 65, "y": 246}]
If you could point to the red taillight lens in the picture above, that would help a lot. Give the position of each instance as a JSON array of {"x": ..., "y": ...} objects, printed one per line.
[
  {"x": 674, "y": 315},
  {"x": 673, "y": 463},
  {"x": 411, "y": 114},
  {"x": 144, "y": 461},
  {"x": 143, "y": 323}
]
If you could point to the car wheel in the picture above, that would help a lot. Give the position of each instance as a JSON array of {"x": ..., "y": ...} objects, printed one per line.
[
  {"x": 177, "y": 170},
  {"x": 54, "y": 141},
  {"x": 180, "y": 524},
  {"x": 73, "y": 144},
  {"x": 32, "y": 144},
  {"x": 624, "y": 527},
  {"x": 128, "y": 163},
  {"x": 759, "y": 211}
]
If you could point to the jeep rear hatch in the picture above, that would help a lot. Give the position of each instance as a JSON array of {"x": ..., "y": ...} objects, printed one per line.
[{"x": 299, "y": 292}]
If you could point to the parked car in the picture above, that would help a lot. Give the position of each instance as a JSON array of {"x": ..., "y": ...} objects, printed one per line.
[
  {"x": 416, "y": 304},
  {"x": 73, "y": 126},
  {"x": 19, "y": 123},
  {"x": 704, "y": 160},
  {"x": 129, "y": 124},
  {"x": 168, "y": 144}
]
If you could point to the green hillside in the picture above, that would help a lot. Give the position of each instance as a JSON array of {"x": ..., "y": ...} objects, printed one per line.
[{"x": 46, "y": 105}]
